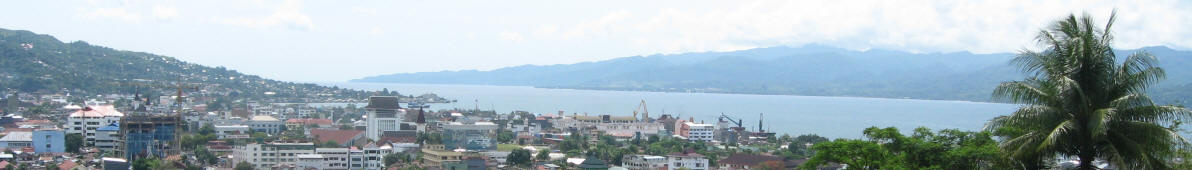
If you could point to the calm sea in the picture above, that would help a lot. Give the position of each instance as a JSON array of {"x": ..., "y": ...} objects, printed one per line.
[{"x": 831, "y": 117}]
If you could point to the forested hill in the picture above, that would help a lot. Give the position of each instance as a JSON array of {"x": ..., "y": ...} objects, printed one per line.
[
  {"x": 36, "y": 63},
  {"x": 808, "y": 70}
]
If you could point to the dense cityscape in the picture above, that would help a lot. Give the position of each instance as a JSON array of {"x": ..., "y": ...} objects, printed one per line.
[{"x": 950, "y": 96}]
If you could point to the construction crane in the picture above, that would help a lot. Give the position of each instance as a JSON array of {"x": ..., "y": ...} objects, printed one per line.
[
  {"x": 739, "y": 122},
  {"x": 642, "y": 109}
]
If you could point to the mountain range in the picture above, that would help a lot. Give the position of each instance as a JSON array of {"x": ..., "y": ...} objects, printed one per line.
[
  {"x": 815, "y": 70},
  {"x": 38, "y": 63}
]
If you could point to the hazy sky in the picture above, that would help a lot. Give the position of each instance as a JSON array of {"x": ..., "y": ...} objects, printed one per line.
[{"x": 341, "y": 40}]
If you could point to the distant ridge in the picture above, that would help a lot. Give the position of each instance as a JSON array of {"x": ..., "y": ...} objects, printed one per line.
[
  {"x": 816, "y": 70},
  {"x": 38, "y": 63}
]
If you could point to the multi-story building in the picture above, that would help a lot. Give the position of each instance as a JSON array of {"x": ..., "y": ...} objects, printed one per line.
[
  {"x": 643, "y": 162},
  {"x": 108, "y": 138},
  {"x": 374, "y": 156},
  {"x": 150, "y": 135},
  {"x": 51, "y": 140},
  {"x": 85, "y": 121},
  {"x": 266, "y": 124},
  {"x": 697, "y": 131},
  {"x": 478, "y": 136},
  {"x": 620, "y": 126},
  {"x": 232, "y": 131},
  {"x": 275, "y": 154},
  {"x": 305, "y": 155},
  {"x": 336, "y": 158},
  {"x": 687, "y": 159},
  {"x": 437, "y": 156},
  {"x": 384, "y": 115}
]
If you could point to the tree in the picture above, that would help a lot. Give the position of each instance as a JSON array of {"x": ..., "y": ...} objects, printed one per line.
[
  {"x": 1081, "y": 102},
  {"x": 74, "y": 141},
  {"x": 330, "y": 144},
  {"x": 543, "y": 155},
  {"x": 518, "y": 157},
  {"x": 243, "y": 165},
  {"x": 205, "y": 156},
  {"x": 146, "y": 163},
  {"x": 771, "y": 165},
  {"x": 207, "y": 129},
  {"x": 393, "y": 158}
]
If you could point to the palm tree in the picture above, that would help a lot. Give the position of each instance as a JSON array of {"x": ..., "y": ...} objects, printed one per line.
[{"x": 1081, "y": 102}]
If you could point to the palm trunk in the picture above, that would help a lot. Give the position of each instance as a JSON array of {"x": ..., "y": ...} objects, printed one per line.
[{"x": 1086, "y": 161}]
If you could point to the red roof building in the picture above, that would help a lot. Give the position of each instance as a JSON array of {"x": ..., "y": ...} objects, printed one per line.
[{"x": 342, "y": 137}]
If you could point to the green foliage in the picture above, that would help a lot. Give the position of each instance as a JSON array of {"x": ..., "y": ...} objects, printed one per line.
[
  {"x": 519, "y": 158},
  {"x": 330, "y": 144},
  {"x": 207, "y": 129},
  {"x": 243, "y": 165},
  {"x": 205, "y": 156},
  {"x": 73, "y": 142},
  {"x": 51, "y": 66},
  {"x": 1081, "y": 102},
  {"x": 886, "y": 148},
  {"x": 393, "y": 158},
  {"x": 149, "y": 163},
  {"x": 505, "y": 136},
  {"x": 543, "y": 155}
]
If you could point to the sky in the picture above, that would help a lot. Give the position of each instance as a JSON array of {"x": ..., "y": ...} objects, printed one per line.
[{"x": 333, "y": 41}]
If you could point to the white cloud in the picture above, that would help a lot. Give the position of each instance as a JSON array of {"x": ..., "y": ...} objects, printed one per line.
[
  {"x": 512, "y": 36},
  {"x": 113, "y": 13},
  {"x": 376, "y": 31},
  {"x": 164, "y": 12},
  {"x": 364, "y": 11},
  {"x": 599, "y": 27},
  {"x": 287, "y": 15},
  {"x": 923, "y": 26}
]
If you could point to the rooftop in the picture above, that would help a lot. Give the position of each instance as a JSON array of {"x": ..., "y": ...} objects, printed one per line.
[
  {"x": 339, "y": 136},
  {"x": 97, "y": 111},
  {"x": 264, "y": 118},
  {"x": 382, "y": 102},
  {"x": 18, "y": 137}
]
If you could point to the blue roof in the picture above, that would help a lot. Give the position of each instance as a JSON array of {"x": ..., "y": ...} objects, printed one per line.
[{"x": 110, "y": 127}]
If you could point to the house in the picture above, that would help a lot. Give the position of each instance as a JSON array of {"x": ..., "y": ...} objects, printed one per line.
[{"x": 742, "y": 161}]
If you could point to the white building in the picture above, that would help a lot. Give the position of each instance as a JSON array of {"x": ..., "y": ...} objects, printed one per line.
[
  {"x": 277, "y": 154},
  {"x": 620, "y": 126},
  {"x": 232, "y": 131},
  {"x": 85, "y": 121},
  {"x": 643, "y": 162},
  {"x": 335, "y": 158},
  {"x": 305, "y": 155},
  {"x": 384, "y": 115},
  {"x": 688, "y": 159},
  {"x": 267, "y": 124},
  {"x": 697, "y": 131}
]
